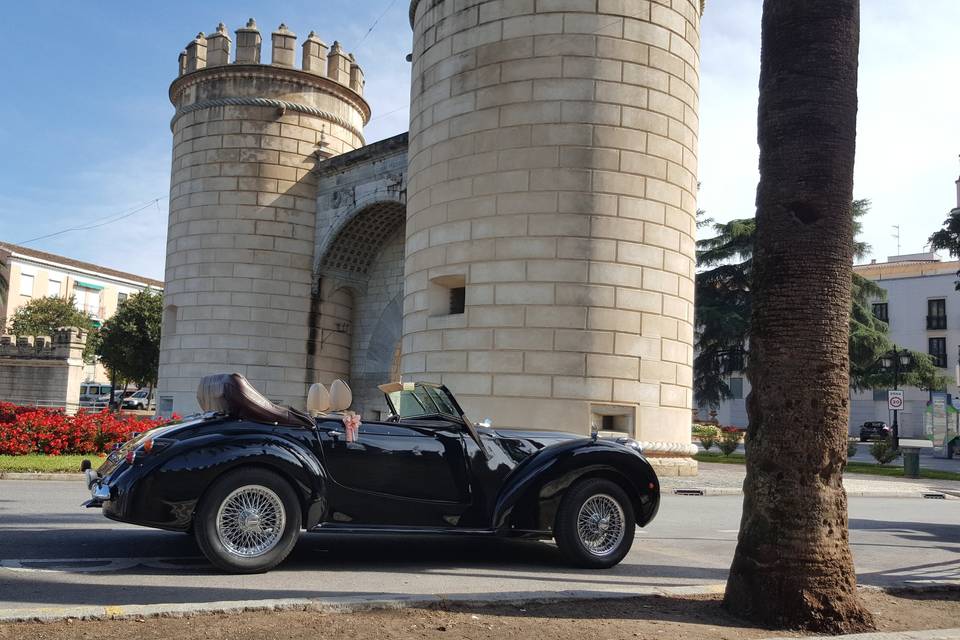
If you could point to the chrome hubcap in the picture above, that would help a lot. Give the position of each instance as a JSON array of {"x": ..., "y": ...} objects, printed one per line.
[
  {"x": 600, "y": 524},
  {"x": 250, "y": 521}
]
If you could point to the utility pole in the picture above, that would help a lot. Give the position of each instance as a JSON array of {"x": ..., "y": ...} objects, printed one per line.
[{"x": 897, "y": 236}]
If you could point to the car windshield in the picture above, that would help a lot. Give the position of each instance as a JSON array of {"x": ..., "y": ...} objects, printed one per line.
[{"x": 422, "y": 400}]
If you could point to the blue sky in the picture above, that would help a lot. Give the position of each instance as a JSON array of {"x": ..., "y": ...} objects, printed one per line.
[{"x": 85, "y": 121}]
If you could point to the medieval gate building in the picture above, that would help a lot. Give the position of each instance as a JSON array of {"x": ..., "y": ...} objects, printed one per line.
[{"x": 530, "y": 245}]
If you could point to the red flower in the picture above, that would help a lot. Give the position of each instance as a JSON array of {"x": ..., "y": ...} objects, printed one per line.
[{"x": 49, "y": 431}]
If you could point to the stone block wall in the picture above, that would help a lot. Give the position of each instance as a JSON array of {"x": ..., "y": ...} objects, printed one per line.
[
  {"x": 41, "y": 370},
  {"x": 552, "y": 170}
]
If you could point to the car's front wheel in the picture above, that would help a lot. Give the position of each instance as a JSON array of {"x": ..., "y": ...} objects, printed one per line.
[
  {"x": 248, "y": 521},
  {"x": 595, "y": 524}
]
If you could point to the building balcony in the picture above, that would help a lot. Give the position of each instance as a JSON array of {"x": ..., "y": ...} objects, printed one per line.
[{"x": 936, "y": 323}]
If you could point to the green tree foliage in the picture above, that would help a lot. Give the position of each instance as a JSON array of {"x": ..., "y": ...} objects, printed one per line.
[
  {"x": 722, "y": 316},
  {"x": 722, "y": 311},
  {"x": 948, "y": 238},
  {"x": 129, "y": 343},
  {"x": 43, "y": 316}
]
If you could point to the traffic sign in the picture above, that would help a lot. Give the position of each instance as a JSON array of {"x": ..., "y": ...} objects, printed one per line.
[{"x": 895, "y": 399}]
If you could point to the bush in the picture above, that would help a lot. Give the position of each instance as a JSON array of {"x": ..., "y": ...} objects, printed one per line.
[
  {"x": 851, "y": 448},
  {"x": 25, "y": 430},
  {"x": 883, "y": 451},
  {"x": 708, "y": 435},
  {"x": 729, "y": 440}
]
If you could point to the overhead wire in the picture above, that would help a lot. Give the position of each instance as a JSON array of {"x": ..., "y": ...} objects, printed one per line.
[{"x": 114, "y": 217}]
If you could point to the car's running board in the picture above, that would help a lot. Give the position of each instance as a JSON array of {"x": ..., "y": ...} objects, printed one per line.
[{"x": 338, "y": 527}]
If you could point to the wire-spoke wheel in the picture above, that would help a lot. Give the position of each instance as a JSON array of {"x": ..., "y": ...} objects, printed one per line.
[
  {"x": 248, "y": 521},
  {"x": 600, "y": 524},
  {"x": 595, "y": 523}
]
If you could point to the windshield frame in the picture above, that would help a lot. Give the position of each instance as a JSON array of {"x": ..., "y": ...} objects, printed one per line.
[{"x": 439, "y": 390}]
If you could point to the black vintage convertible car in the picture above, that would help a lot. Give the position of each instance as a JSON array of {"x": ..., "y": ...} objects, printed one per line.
[{"x": 246, "y": 476}]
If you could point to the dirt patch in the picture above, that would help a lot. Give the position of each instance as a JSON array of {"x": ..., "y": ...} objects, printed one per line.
[{"x": 693, "y": 618}]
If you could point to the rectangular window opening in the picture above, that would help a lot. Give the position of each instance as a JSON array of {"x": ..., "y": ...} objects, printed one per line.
[
  {"x": 881, "y": 311},
  {"x": 458, "y": 297},
  {"x": 938, "y": 350},
  {"x": 936, "y": 314},
  {"x": 447, "y": 295}
]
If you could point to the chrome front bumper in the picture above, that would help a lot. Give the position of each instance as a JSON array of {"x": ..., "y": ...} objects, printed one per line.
[{"x": 99, "y": 492}]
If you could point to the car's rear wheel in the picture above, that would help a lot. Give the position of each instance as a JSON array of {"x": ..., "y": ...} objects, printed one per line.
[
  {"x": 595, "y": 524},
  {"x": 248, "y": 521}
]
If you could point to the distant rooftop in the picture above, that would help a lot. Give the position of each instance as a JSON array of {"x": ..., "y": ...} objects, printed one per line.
[
  {"x": 907, "y": 265},
  {"x": 77, "y": 264}
]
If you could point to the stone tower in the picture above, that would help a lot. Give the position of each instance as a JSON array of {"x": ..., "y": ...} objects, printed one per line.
[
  {"x": 551, "y": 211},
  {"x": 246, "y": 137}
]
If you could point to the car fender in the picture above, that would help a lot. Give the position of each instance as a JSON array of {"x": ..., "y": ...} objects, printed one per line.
[
  {"x": 532, "y": 492},
  {"x": 164, "y": 492}
]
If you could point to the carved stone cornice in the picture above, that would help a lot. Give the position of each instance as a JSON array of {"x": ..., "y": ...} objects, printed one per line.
[{"x": 269, "y": 72}]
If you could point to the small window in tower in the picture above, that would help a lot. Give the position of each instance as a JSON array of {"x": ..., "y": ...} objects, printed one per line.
[
  {"x": 458, "y": 296},
  {"x": 447, "y": 295}
]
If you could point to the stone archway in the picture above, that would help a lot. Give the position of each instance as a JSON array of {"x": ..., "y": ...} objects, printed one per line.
[{"x": 361, "y": 301}]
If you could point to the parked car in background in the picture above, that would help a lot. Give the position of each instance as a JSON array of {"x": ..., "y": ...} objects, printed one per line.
[
  {"x": 140, "y": 399},
  {"x": 874, "y": 430},
  {"x": 94, "y": 395}
]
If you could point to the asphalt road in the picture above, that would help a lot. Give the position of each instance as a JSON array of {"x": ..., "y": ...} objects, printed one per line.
[{"x": 55, "y": 554}]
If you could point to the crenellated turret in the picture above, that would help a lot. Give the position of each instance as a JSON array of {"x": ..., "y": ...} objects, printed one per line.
[
  {"x": 247, "y": 135},
  {"x": 218, "y": 47},
  {"x": 205, "y": 52}
]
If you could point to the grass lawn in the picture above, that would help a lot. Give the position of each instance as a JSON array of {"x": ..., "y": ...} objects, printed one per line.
[
  {"x": 893, "y": 470},
  {"x": 46, "y": 464}
]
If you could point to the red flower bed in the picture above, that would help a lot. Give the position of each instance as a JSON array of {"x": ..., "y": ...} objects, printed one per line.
[{"x": 26, "y": 430}]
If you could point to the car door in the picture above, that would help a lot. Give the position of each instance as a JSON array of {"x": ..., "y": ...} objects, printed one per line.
[{"x": 410, "y": 473}]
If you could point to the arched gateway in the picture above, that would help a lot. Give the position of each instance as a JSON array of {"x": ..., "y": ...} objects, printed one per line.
[{"x": 358, "y": 270}]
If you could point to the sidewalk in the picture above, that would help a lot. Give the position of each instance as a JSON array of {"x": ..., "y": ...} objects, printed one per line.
[{"x": 727, "y": 479}]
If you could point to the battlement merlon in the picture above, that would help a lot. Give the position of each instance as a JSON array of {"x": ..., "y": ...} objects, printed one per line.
[
  {"x": 205, "y": 52},
  {"x": 65, "y": 343}
]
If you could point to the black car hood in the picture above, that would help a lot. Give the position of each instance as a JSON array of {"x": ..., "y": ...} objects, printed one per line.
[{"x": 539, "y": 439}]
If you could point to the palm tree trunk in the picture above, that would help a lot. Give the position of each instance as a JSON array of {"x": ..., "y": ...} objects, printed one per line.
[{"x": 793, "y": 566}]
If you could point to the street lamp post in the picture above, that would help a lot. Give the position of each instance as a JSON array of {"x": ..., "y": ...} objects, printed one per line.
[{"x": 894, "y": 360}]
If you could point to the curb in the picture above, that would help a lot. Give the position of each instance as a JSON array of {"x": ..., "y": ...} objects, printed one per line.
[
  {"x": 343, "y": 604},
  {"x": 939, "y": 494},
  {"x": 930, "y": 634},
  {"x": 359, "y": 604},
  {"x": 34, "y": 475}
]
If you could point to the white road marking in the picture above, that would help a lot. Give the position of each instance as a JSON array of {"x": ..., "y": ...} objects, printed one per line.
[{"x": 95, "y": 565}]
